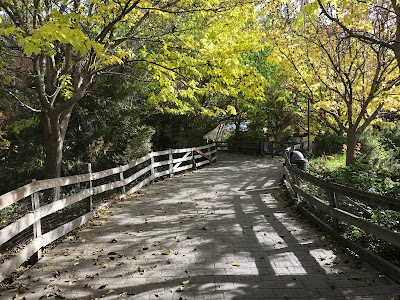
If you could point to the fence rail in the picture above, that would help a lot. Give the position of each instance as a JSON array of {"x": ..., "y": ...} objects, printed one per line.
[
  {"x": 334, "y": 201},
  {"x": 145, "y": 169}
]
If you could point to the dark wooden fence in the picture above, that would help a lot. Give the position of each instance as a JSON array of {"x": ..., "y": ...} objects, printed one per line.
[
  {"x": 334, "y": 207},
  {"x": 259, "y": 147},
  {"x": 29, "y": 206}
]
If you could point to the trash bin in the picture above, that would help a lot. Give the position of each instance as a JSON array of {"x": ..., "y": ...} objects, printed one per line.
[{"x": 297, "y": 158}]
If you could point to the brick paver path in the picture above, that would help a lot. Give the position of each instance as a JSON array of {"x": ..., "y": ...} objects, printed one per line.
[{"x": 221, "y": 232}]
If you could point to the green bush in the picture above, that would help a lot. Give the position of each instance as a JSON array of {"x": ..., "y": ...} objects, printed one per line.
[
  {"x": 362, "y": 177},
  {"x": 377, "y": 150},
  {"x": 374, "y": 172},
  {"x": 328, "y": 143},
  {"x": 107, "y": 139},
  {"x": 180, "y": 131},
  {"x": 377, "y": 168},
  {"x": 24, "y": 160}
]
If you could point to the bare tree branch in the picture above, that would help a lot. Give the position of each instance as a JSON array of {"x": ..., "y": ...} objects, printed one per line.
[{"x": 22, "y": 104}]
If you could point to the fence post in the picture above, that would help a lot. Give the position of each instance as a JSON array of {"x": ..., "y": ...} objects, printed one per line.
[
  {"x": 294, "y": 176},
  {"x": 193, "y": 160},
  {"x": 37, "y": 226},
  {"x": 333, "y": 203},
  {"x": 121, "y": 178},
  {"x": 289, "y": 167},
  {"x": 152, "y": 171},
  {"x": 272, "y": 149},
  {"x": 216, "y": 152},
  {"x": 171, "y": 163},
  {"x": 89, "y": 201}
]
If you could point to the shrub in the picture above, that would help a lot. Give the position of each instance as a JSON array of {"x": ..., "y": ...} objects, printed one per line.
[
  {"x": 391, "y": 137},
  {"x": 328, "y": 143},
  {"x": 377, "y": 150}
]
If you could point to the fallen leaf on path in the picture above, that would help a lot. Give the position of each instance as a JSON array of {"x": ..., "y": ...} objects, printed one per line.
[{"x": 338, "y": 272}]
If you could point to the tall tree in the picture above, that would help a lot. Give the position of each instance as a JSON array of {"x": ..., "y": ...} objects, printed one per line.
[
  {"x": 188, "y": 47},
  {"x": 349, "y": 81}
]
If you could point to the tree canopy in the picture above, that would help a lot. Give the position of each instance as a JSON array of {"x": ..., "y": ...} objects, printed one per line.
[
  {"x": 347, "y": 81},
  {"x": 185, "y": 49},
  {"x": 254, "y": 61}
]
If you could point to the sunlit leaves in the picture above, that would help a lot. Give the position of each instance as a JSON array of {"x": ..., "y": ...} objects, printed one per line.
[
  {"x": 183, "y": 55},
  {"x": 231, "y": 110},
  {"x": 204, "y": 61},
  {"x": 66, "y": 86},
  {"x": 189, "y": 55}
]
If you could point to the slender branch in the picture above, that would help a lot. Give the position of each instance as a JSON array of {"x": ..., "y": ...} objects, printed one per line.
[
  {"x": 352, "y": 33},
  {"x": 369, "y": 119},
  {"x": 311, "y": 96},
  {"x": 336, "y": 117},
  {"x": 23, "y": 104},
  {"x": 126, "y": 10}
]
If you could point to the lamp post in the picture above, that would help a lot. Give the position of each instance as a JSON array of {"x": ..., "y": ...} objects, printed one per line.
[{"x": 308, "y": 126}]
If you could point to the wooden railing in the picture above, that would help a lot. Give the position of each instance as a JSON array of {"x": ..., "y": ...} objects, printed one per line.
[
  {"x": 128, "y": 178},
  {"x": 332, "y": 207}
]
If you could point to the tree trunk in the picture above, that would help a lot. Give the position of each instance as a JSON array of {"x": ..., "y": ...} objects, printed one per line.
[
  {"x": 351, "y": 143},
  {"x": 54, "y": 129}
]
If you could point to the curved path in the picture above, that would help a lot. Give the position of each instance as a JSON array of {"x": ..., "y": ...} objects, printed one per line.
[{"x": 221, "y": 232}]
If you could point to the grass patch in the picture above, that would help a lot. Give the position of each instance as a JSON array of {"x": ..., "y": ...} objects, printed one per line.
[{"x": 328, "y": 162}]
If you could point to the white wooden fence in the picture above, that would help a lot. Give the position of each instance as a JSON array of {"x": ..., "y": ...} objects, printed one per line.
[{"x": 148, "y": 168}]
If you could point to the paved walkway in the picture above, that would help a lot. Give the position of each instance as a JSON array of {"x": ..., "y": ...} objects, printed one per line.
[{"x": 221, "y": 232}]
